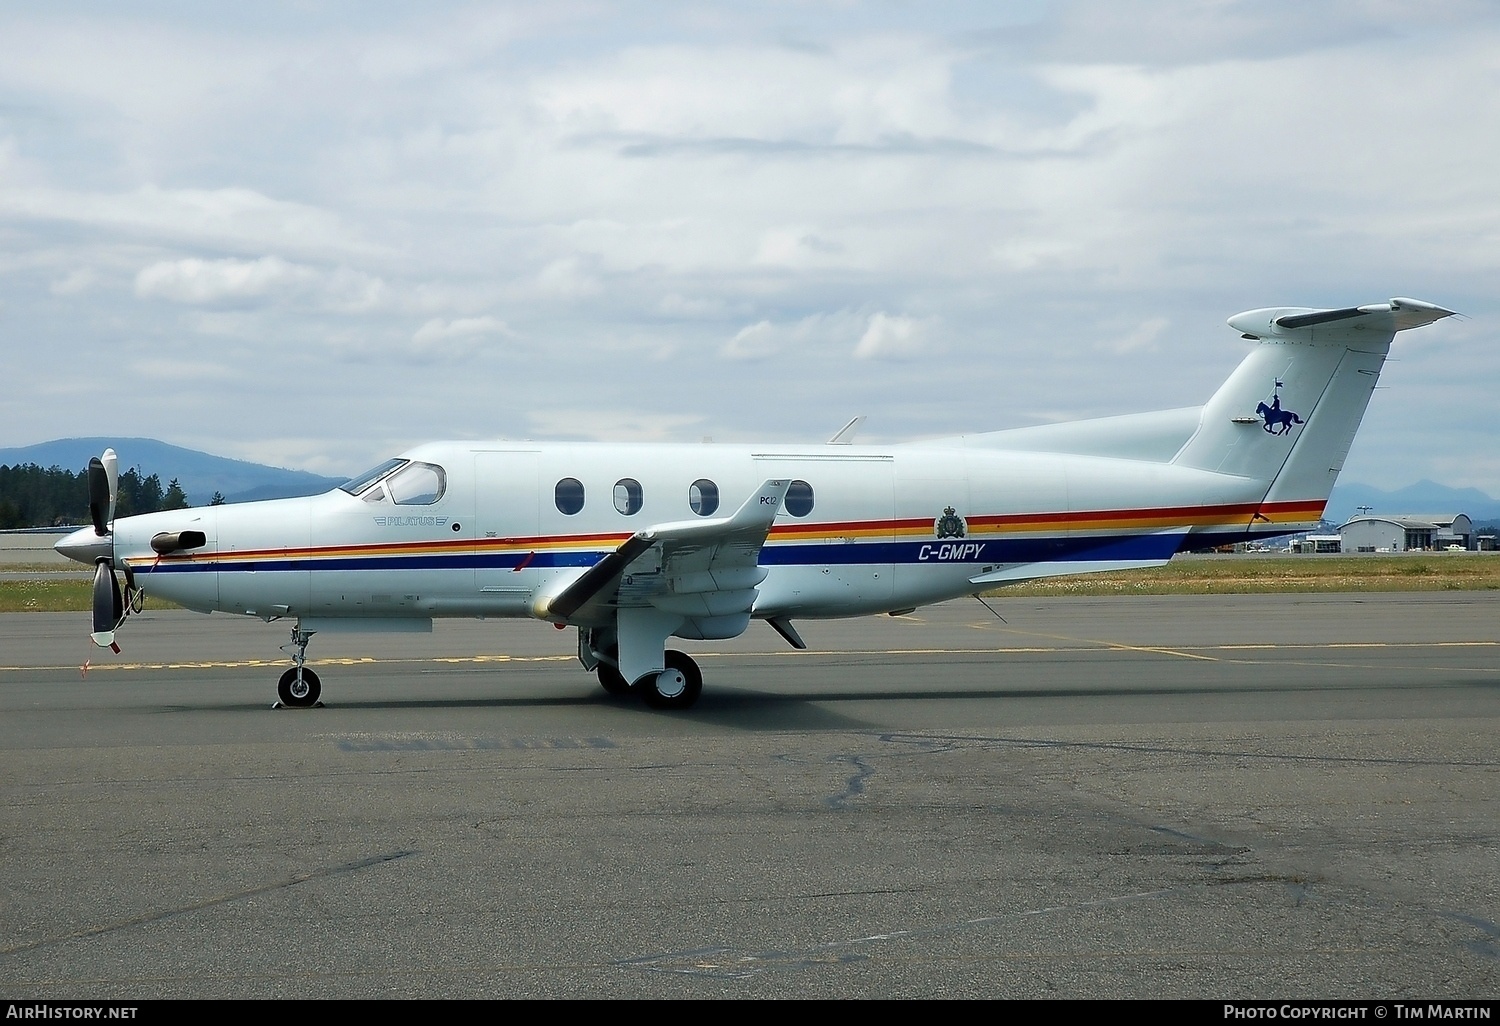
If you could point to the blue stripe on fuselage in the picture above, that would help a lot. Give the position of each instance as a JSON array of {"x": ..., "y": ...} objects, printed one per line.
[{"x": 904, "y": 553}]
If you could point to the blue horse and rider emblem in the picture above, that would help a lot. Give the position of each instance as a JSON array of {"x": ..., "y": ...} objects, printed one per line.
[{"x": 1277, "y": 420}]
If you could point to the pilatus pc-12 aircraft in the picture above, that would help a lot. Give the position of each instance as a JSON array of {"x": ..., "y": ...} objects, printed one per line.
[{"x": 637, "y": 544}]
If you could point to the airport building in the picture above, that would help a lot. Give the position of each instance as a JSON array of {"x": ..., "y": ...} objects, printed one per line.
[
  {"x": 1324, "y": 544},
  {"x": 1417, "y": 532}
]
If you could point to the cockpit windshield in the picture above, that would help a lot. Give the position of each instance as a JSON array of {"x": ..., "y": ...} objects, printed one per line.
[
  {"x": 407, "y": 482},
  {"x": 356, "y": 485},
  {"x": 417, "y": 484}
]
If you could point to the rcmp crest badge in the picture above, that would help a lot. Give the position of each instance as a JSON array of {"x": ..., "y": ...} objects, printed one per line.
[{"x": 950, "y": 525}]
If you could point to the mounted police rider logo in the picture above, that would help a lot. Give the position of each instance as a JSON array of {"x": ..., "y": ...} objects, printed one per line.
[
  {"x": 1277, "y": 420},
  {"x": 950, "y": 524}
]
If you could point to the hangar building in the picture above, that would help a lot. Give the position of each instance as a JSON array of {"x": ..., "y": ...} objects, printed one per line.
[{"x": 1408, "y": 533}]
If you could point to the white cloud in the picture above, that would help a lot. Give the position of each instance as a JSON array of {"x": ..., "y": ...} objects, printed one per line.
[
  {"x": 354, "y": 291},
  {"x": 565, "y": 279},
  {"x": 872, "y": 91},
  {"x": 692, "y": 307},
  {"x": 79, "y": 280},
  {"x": 824, "y": 332},
  {"x": 895, "y": 338},
  {"x": 184, "y": 370},
  {"x": 1141, "y": 339},
  {"x": 611, "y": 425},
  {"x": 754, "y": 342},
  {"x": 459, "y": 337},
  {"x": 234, "y": 218},
  {"x": 797, "y": 248},
  {"x": 198, "y": 281}
]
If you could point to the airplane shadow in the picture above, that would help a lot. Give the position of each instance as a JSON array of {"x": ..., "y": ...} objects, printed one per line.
[{"x": 748, "y": 710}]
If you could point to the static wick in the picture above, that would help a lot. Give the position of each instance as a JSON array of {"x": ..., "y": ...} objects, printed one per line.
[{"x": 991, "y": 608}]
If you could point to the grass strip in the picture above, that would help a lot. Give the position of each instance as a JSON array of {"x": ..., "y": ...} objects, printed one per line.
[{"x": 1250, "y": 575}]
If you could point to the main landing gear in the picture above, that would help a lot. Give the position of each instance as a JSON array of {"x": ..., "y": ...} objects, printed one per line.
[
  {"x": 299, "y": 687},
  {"x": 676, "y": 687}
]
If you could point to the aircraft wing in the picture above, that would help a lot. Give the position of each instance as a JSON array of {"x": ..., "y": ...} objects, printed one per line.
[{"x": 693, "y": 568}]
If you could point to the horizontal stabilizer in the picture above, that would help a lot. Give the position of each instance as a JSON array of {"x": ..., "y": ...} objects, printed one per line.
[{"x": 1375, "y": 319}]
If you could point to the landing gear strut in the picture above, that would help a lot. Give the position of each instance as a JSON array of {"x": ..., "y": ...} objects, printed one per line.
[{"x": 299, "y": 687}]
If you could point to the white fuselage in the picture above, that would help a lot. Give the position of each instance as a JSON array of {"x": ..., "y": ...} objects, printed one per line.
[{"x": 889, "y": 528}]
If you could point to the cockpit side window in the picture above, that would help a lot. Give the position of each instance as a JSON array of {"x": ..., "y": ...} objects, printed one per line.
[
  {"x": 356, "y": 485},
  {"x": 417, "y": 484}
]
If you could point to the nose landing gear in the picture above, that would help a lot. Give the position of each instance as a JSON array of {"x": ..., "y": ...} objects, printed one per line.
[{"x": 299, "y": 687}]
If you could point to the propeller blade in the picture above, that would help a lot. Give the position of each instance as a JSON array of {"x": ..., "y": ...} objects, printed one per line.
[
  {"x": 109, "y": 606},
  {"x": 112, "y": 473},
  {"x": 104, "y": 484},
  {"x": 100, "y": 503}
]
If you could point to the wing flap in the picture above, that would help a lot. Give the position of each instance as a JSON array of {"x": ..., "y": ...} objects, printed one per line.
[
  {"x": 691, "y": 568},
  {"x": 603, "y": 575}
]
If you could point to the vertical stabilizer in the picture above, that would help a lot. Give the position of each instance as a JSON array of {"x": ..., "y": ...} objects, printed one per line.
[{"x": 1287, "y": 415}]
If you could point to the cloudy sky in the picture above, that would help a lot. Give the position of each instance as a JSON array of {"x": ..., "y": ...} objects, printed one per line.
[{"x": 314, "y": 234}]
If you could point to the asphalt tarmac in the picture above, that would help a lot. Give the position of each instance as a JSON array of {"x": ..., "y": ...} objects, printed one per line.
[{"x": 1232, "y": 797}]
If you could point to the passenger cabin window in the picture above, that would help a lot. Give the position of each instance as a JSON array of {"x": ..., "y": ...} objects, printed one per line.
[
  {"x": 703, "y": 497},
  {"x": 799, "y": 499},
  {"x": 628, "y": 496},
  {"x": 417, "y": 484},
  {"x": 568, "y": 495}
]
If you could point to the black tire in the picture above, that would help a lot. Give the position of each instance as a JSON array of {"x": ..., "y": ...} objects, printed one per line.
[
  {"x": 301, "y": 694},
  {"x": 611, "y": 681},
  {"x": 676, "y": 687}
]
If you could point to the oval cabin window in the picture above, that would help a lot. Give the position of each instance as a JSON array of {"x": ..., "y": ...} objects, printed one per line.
[
  {"x": 703, "y": 497},
  {"x": 628, "y": 496},
  {"x": 569, "y": 495},
  {"x": 799, "y": 499}
]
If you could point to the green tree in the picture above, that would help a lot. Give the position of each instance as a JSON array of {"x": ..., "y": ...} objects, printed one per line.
[
  {"x": 175, "y": 498},
  {"x": 217, "y": 500},
  {"x": 34, "y": 497}
]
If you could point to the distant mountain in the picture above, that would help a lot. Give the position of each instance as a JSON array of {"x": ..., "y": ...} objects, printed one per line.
[
  {"x": 199, "y": 473},
  {"x": 1422, "y": 497}
]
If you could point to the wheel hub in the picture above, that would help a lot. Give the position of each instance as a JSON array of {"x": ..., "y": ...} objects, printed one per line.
[{"x": 671, "y": 682}]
